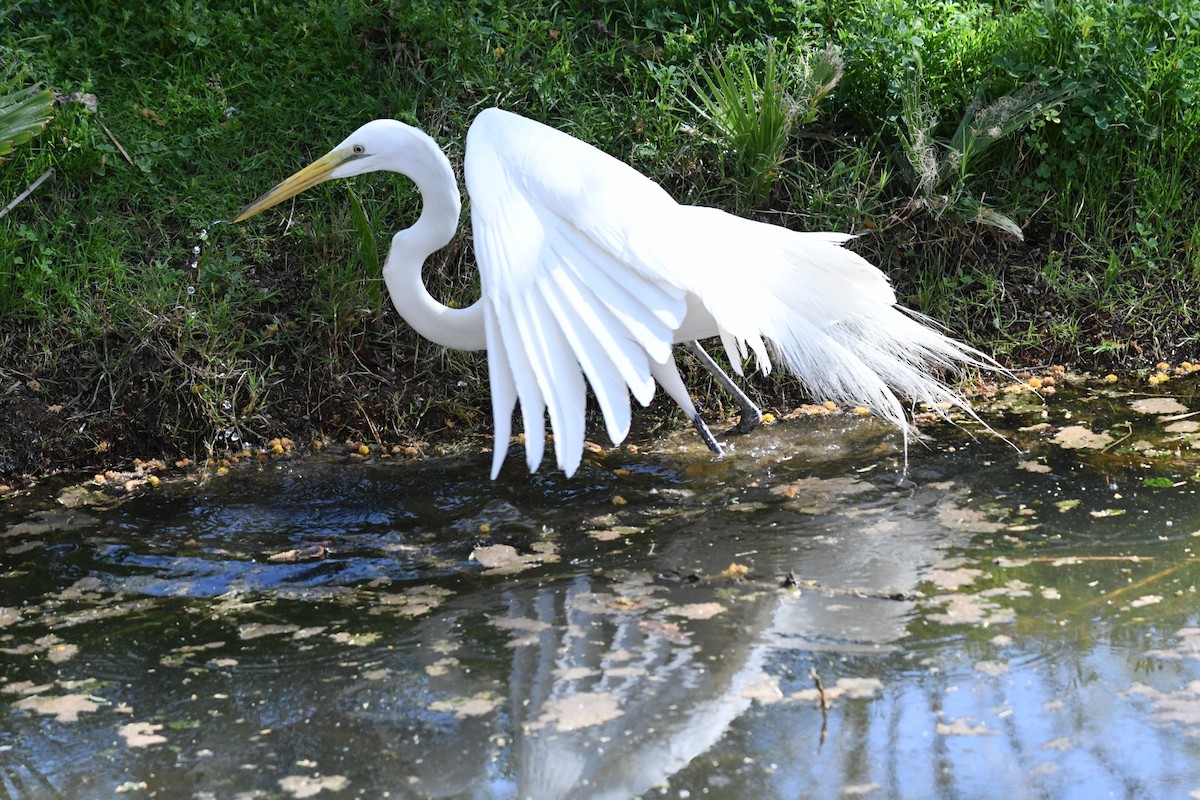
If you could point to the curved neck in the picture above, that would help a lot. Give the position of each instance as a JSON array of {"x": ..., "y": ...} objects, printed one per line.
[{"x": 460, "y": 328}]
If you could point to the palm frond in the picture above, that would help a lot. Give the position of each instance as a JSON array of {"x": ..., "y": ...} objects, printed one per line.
[{"x": 24, "y": 111}]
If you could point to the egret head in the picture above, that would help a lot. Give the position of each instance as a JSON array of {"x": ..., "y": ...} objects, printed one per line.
[{"x": 380, "y": 144}]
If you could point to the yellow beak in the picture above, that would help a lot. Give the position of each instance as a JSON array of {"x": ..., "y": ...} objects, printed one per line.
[{"x": 317, "y": 172}]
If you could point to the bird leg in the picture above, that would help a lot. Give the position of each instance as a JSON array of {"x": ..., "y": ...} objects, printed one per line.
[
  {"x": 750, "y": 414},
  {"x": 707, "y": 436},
  {"x": 667, "y": 376}
]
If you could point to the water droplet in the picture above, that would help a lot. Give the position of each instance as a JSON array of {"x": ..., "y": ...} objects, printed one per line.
[
  {"x": 191, "y": 290},
  {"x": 234, "y": 436},
  {"x": 204, "y": 235},
  {"x": 195, "y": 265},
  {"x": 196, "y": 250},
  {"x": 226, "y": 405}
]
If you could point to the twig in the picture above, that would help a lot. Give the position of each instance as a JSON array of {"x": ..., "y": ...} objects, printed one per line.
[
  {"x": 820, "y": 684},
  {"x": 1111, "y": 445},
  {"x": 26, "y": 193},
  {"x": 1133, "y": 587},
  {"x": 1067, "y": 561},
  {"x": 118, "y": 144}
]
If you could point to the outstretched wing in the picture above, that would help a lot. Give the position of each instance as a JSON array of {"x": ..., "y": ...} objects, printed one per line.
[
  {"x": 588, "y": 268},
  {"x": 556, "y": 224}
]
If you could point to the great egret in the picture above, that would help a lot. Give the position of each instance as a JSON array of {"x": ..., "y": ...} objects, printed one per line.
[{"x": 588, "y": 269}]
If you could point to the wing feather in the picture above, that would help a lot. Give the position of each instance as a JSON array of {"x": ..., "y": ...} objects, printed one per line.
[
  {"x": 563, "y": 301},
  {"x": 589, "y": 269},
  {"x": 829, "y": 315},
  {"x": 618, "y": 352},
  {"x": 646, "y": 316},
  {"x": 503, "y": 390},
  {"x": 606, "y": 381},
  {"x": 558, "y": 375}
]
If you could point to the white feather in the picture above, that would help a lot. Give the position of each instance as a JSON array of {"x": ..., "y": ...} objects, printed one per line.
[{"x": 590, "y": 272}]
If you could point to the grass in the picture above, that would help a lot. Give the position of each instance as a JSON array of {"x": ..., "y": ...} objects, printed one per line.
[
  {"x": 119, "y": 339},
  {"x": 756, "y": 117}
]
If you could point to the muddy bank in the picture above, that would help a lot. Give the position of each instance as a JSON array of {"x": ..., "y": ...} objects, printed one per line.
[{"x": 130, "y": 459}]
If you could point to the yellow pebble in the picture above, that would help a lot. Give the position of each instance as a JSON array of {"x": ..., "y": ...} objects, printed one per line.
[
  {"x": 1162, "y": 366},
  {"x": 829, "y": 404},
  {"x": 862, "y": 411},
  {"x": 153, "y": 480},
  {"x": 222, "y": 470},
  {"x": 768, "y": 418},
  {"x": 619, "y": 501},
  {"x": 363, "y": 450},
  {"x": 485, "y": 528},
  {"x": 1034, "y": 383},
  {"x": 1110, "y": 378}
]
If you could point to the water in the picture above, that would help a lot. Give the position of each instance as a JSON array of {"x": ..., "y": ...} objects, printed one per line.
[{"x": 793, "y": 621}]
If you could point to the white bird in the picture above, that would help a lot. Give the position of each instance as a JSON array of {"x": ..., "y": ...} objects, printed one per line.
[{"x": 590, "y": 270}]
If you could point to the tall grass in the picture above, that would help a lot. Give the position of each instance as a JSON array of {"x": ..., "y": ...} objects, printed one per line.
[
  {"x": 24, "y": 111},
  {"x": 756, "y": 109}
]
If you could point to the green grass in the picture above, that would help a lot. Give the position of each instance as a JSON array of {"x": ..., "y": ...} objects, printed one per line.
[
  {"x": 114, "y": 343},
  {"x": 756, "y": 117}
]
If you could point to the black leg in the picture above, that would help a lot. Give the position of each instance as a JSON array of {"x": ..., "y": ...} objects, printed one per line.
[
  {"x": 707, "y": 436},
  {"x": 751, "y": 416}
]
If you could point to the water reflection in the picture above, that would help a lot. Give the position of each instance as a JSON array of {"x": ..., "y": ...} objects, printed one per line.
[{"x": 791, "y": 622}]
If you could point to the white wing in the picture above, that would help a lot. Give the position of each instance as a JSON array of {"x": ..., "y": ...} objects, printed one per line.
[
  {"x": 588, "y": 268},
  {"x": 555, "y": 223}
]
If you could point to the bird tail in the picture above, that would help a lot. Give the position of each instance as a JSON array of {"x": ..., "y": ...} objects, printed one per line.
[{"x": 832, "y": 319}]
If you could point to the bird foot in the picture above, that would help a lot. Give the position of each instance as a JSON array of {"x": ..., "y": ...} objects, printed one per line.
[{"x": 750, "y": 419}]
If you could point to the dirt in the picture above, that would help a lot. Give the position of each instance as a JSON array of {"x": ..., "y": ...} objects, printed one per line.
[{"x": 53, "y": 424}]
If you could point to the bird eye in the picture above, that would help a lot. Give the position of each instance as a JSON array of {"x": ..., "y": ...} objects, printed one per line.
[{"x": 358, "y": 149}]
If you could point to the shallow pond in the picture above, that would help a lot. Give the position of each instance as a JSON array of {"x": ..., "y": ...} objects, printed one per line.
[{"x": 792, "y": 621}]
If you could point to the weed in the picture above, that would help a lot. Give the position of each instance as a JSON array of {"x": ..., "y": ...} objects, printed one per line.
[
  {"x": 941, "y": 172},
  {"x": 757, "y": 115},
  {"x": 24, "y": 111}
]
